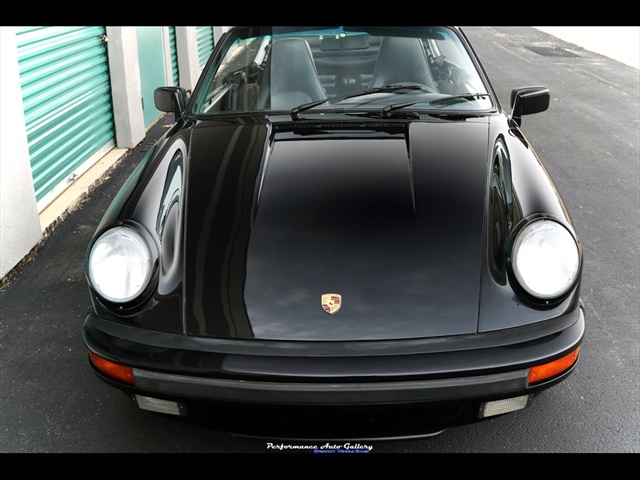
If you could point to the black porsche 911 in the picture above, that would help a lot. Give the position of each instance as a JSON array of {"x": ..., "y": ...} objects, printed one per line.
[{"x": 343, "y": 235}]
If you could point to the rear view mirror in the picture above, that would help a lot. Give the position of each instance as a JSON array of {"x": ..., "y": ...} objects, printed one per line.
[
  {"x": 527, "y": 101},
  {"x": 171, "y": 99}
]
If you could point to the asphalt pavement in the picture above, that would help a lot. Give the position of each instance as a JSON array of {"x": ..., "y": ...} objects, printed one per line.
[{"x": 616, "y": 42}]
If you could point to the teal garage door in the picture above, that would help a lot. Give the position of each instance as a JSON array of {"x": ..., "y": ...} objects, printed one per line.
[
  {"x": 152, "y": 71},
  {"x": 205, "y": 44},
  {"x": 67, "y": 103},
  {"x": 174, "y": 56}
]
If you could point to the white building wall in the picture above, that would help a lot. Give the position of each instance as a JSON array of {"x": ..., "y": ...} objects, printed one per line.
[
  {"x": 188, "y": 61},
  {"x": 217, "y": 33},
  {"x": 125, "y": 86},
  {"x": 20, "y": 229}
]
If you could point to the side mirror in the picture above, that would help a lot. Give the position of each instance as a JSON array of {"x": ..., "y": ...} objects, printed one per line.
[
  {"x": 171, "y": 99},
  {"x": 528, "y": 100}
]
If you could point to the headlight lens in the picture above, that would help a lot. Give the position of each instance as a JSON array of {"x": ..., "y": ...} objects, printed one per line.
[
  {"x": 545, "y": 259},
  {"x": 119, "y": 264}
]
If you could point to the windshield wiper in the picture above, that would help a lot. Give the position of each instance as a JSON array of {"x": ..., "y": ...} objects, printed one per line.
[
  {"x": 386, "y": 111},
  {"x": 295, "y": 112},
  {"x": 464, "y": 96}
]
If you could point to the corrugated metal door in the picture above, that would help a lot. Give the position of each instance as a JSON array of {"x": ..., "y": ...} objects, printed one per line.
[
  {"x": 205, "y": 44},
  {"x": 174, "y": 56},
  {"x": 67, "y": 101}
]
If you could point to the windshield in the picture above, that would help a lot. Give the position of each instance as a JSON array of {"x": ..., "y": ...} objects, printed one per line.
[{"x": 341, "y": 68}]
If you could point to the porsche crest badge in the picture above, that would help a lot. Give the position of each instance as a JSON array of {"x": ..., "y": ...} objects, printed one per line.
[{"x": 331, "y": 302}]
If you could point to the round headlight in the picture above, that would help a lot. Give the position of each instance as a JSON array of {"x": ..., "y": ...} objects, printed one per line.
[
  {"x": 119, "y": 264},
  {"x": 545, "y": 259}
]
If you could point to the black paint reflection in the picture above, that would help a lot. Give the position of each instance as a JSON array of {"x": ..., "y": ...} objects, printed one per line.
[{"x": 344, "y": 217}]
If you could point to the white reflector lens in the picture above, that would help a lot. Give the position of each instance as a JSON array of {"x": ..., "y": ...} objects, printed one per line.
[
  {"x": 507, "y": 405},
  {"x": 159, "y": 405},
  {"x": 545, "y": 259},
  {"x": 120, "y": 264}
]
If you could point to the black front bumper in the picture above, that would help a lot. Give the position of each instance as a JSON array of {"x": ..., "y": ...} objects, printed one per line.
[
  {"x": 332, "y": 393},
  {"x": 469, "y": 369}
]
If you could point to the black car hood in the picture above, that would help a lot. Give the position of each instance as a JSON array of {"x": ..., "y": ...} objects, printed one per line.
[{"x": 388, "y": 217}]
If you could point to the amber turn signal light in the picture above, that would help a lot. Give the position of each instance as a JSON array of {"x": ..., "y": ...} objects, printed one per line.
[
  {"x": 548, "y": 370},
  {"x": 112, "y": 369}
]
